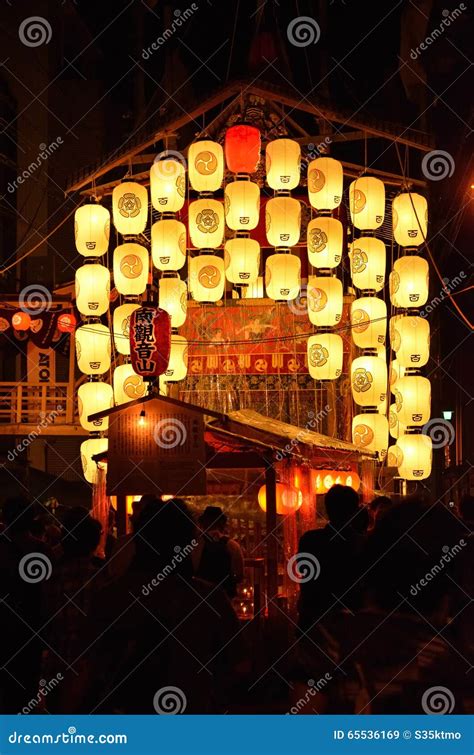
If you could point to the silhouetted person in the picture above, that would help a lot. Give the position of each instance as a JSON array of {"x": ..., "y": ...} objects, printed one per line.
[
  {"x": 378, "y": 507},
  {"x": 123, "y": 551},
  {"x": 218, "y": 557}
]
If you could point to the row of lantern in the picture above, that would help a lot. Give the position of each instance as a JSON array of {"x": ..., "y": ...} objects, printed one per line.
[{"x": 289, "y": 498}]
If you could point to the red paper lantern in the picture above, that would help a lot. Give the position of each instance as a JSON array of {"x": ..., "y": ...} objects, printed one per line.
[
  {"x": 242, "y": 149},
  {"x": 21, "y": 321},
  {"x": 67, "y": 323},
  {"x": 150, "y": 341}
]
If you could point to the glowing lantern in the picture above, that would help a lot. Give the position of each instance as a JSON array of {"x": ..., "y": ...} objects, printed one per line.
[
  {"x": 167, "y": 185},
  {"x": 283, "y": 221},
  {"x": 324, "y": 237},
  {"x": 177, "y": 368},
  {"x": 92, "y": 398},
  {"x": 242, "y": 205},
  {"x": 150, "y": 341},
  {"x": 89, "y": 448},
  {"x": 409, "y": 282},
  {"x": 370, "y": 433},
  {"x": 369, "y": 322},
  {"x": 173, "y": 297},
  {"x": 92, "y": 290},
  {"x": 367, "y": 203},
  {"x": 206, "y": 278},
  {"x": 325, "y": 299},
  {"x": 130, "y": 208},
  {"x": 127, "y": 384},
  {"x": 416, "y": 455},
  {"x": 413, "y": 400},
  {"x": 206, "y": 165},
  {"x": 206, "y": 223},
  {"x": 67, "y": 323},
  {"x": 325, "y": 183},
  {"x": 394, "y": 456},
  {"x": 367, "y": 256},
  {"x": 395, "y": 427},
  {"x": 410, "y": 219},
  {"x": 288, "y": 499},
  {"x": 242, "y": 261},
  {"x": 410, "y": 339},
  {"x": 21, "y": 321},
  {"x": 242, "y": 148},
  {"x": 168, "y": 244},
  {"x": 131, "y": 265},
  {"x": 325, "y": 351},
  {"x": 396, "y": 372},
  {"x": 369, "y": 380},
  {"x": 282, "y": 277},
  {"x": 93, "y": 348},
  {"x": 283, "y": 164},
  {"x": 121, "y": 327},
  {"x": 92, "y": 230}
]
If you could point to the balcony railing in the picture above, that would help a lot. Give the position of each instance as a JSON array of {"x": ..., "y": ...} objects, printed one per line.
[{"x": 32, "y": 403}]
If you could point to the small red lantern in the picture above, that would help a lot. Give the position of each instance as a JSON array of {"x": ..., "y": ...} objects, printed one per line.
[
  {"x": 67, "y": 323},
  {"x": 21, "y": 321},
  {"x": 150, "y": 341},
  {"x": 242, "y": 149}
]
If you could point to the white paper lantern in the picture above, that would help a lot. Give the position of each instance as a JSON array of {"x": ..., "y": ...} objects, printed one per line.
[
  {"x": 92, "y": 290},
  {"x": 283, "y": 221},
  {"x": 173, "y": 297},
  {"x": 325, "y": 354},
  {"x": 168, "y": 244},
  {"x": 127, "y": 384},
  {"x": 368, "y": 260},
  {"x": 92, "y": 230},
  {"x": 205, "y": 165},
  {"x": 92, "y": 398},
  {"x": 206, "y": 223},
  {"x": 369, "y": 322},
  {"x": 410, "y": 219},
  {"x": 167, "y": 185},
  {"x": 131, "y": 266},
  {"x": 93, "y": 348},
  {"x": 367, "y": 203},
  {"x": 368, "y": 380},
  {"x": 370, "y": 433},
  {"x": 409, "y": 282},
  {"x": 130, "y": 208},
  {"x": 89, "y": 448},
  {"x": 416, "y": 456},
  {"x": 283, "y": 164},
  {"x": 242, "y": 205},
  {"x": 121, "y": 327},
  {"x": 325, "y": 300},
  {"x": 325, "y": 239},
  {"x": 206, "y": 278},
  {"x": 325, "y": 183},
  {"x": 242, "y": 261},
  {"x": 282, "y": 277},
  {"x": 178, "y": 365},
  {"x": 413, "y": 400},
  {"x": 395, "y": 427},
  {"x": 410, "y": 339}
]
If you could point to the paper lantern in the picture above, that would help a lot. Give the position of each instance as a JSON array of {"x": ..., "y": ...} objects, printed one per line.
[
  {"x": 367, "y": 203},
  {"x": 416, "y": 456},
  {"x": 325, "y": 183},
  {"x": 89, "y": 448},
  {"x": 173, "y": 297},
  {"x": 369, "y": 380},
  {"x": 131, "y": 265},
  {"x": 177, "y": 368},
  {"x": 283, "y": 221},
  {"x": 282, "y": 277},
  {"x": 396, "y": 372},
  {"x": 242, "y": 261},
  {"x": 167, "y": 185},
  {"x": 410, "y": 339},
  {"x": 150, "y": 341},
  {"x": 92, "y": 230},
  {"x": 67, "y": 323},
  {"x": 394, "y": 456},
  {"x": 242, "y": 148},
  {"x": 93, "y": 348},
  {"x": 395, "y": 427},
  {"x": 370, "y": 433},
  {"x": 288, "y": 498},
  {"x": 413, "y": 400},
  {"x": 368, "y": 260},
  {"x": 121, "y": 327},
  {"x": 206, "y": 223},
  {"x": 92, "y": 290},
  {"x": 205, "y": 165},
  {"x": 324, "y": 296},
  {"x": 168, "y": 244},
  {"x": 127, "y": 384},
  {"x": 410, "y": 219},
  {"x": 325, "y": 352},
  {"x": 368, "y": 322},
  {"x": 325, "y": 239},
  {"x": 206, "y": 278},
  {"x": 130, "y": 208},
  {"x": 92, "y": 398},
  {"x": 409, "y": 282},
  {"x": 21, "y": 321},
  {"x": 283, "y": 164},
  {"x": 242, "y": 205}
]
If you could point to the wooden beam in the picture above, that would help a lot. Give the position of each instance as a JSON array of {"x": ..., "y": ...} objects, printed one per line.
[
  {"x": 27, "y": 428},
  {"x": 345, "y": 136}
]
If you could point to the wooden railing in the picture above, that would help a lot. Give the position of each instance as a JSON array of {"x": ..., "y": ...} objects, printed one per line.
[{"x": 31, "y": 403}]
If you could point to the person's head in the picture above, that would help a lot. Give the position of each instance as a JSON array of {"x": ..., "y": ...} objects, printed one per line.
[
  {"x": 18, "y": 515},
  {"x": 138, "y": 507},
  {"x": 213, "y": 518},
  {"x": 81, "y": 533},
  {"x": 466, "y": 508},
  {"x": 342, "y": 503},
  {"x": 164, "y": 529},
  {"x": 379, "y": 506}
]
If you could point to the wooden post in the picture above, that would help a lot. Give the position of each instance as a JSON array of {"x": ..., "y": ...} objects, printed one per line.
[{"x": 272, "y": 544}]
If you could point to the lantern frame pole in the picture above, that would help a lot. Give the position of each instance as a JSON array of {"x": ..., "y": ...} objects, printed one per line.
[{"x": 272, "y": 543}]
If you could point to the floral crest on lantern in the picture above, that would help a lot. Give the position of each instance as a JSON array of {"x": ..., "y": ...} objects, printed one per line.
[
  {"x": 318, "y": 355},
  {"x": 131, "y": 266},
  {"x": 395, "y": 456},
  {"x": 394, "y": 282},
  {"x": 359, "y": 201},
  {"x": 317, "y": 299},
  {"x": 360, "y": 320},
  {"x": 317, "y": 240},
  {"x": 181, "y": 185},
  {"x": 362, "y": 380},
  {"x": 363, "y": 435},
  {"x": 129, "y": 205},
  {"x": 359, "y": 261},
  {"x": 316, "y": 180},
  {"x": 207, "y": 221},
  {"x": 398, "y": 399},
  {"x": 205, "y": 163},
  {"x": 209, "y": 276},
  {"x": 134, "y": 386}
]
